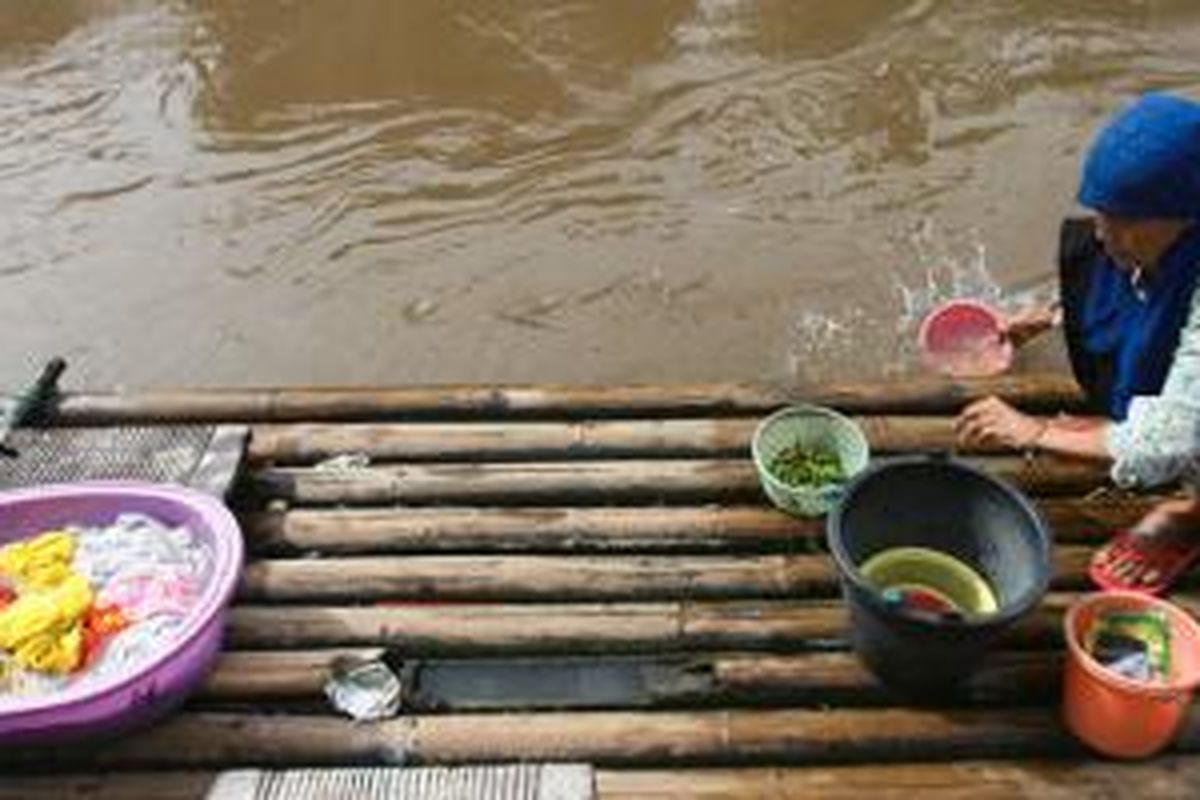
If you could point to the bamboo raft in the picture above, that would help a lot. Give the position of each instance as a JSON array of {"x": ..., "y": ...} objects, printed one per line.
[{"x": 592, "y": 575}]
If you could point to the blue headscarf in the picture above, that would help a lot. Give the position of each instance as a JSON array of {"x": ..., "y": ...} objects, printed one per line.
[{"x": 1144, "y": 165}]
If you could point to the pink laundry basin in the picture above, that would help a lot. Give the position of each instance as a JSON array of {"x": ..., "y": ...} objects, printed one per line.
[
  {"x": 962, "y": 339},
  {"x": 161, "y": 683}
]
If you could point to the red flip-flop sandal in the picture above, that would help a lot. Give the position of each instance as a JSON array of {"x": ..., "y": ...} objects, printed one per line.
[{"x": 1159, "y": 562}]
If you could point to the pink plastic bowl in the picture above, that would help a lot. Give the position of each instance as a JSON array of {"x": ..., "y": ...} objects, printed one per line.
[
  {"x": 962, "y": 339},
  {"x": 162, "y": 683}
]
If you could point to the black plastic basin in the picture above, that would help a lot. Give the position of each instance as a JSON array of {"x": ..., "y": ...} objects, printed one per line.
[{"x": 942, "y": 504}]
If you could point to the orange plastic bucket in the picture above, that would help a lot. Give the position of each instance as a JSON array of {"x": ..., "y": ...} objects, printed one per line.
[{"x": 1116, "y": 715}]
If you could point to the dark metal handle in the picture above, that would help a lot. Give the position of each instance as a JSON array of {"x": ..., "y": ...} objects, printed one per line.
[{"x": 29, "y": 402}]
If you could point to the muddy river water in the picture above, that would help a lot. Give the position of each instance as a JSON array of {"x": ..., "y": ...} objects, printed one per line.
[{"x": 225, "y": 192}]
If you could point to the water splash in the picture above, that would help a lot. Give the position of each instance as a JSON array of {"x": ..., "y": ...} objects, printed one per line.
[
  {"x": 933, "y": 266},
  {"x": 819, "y": 342},
  {"x": 953, "y": 267},
  {"x": 950, "y": 268}
]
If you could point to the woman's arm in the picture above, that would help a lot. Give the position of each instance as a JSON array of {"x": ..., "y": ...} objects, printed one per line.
[
  {"x": 992, "y": 421},
  {"x": 1159, "y": 441},
  {"x": 1029, "y": 323},
  {"x": 1080, "y": 437}
]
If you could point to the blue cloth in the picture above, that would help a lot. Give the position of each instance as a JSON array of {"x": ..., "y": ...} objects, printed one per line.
[
  {"x": 1144, "y": 165},
  {"x": 1140, "y": 333}
]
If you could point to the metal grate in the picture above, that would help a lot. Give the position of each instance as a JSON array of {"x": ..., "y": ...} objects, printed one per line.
[
  {"x": 202, "y": 456},
  {"x": 508, "y": 782}
]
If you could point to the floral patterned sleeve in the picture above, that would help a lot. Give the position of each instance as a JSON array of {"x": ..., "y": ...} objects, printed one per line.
[{"x": 1159, "y": 441}]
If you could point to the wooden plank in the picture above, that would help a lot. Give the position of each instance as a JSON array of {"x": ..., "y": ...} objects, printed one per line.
[
  {"x": 306, "y": 443},
  {"x": 1172, "y": 777},
  {"x": 177, "y": 785},
  {"x": 609, "y": 482},
  {"x": 653, "y": 681},
  {"x": 1049, "y": 392},
  {"x": 791, "y": 736},
  {"x": 479, "y": 628},
  {"x": 567, "y": 577},
  {"x": 604, "y": 529},
  {"x": 1168, "y": 777}
]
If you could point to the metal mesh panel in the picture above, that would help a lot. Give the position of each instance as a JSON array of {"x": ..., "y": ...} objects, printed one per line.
[
  {"x": 203, "y": 456},
  {"x": 508, "y": 782}
]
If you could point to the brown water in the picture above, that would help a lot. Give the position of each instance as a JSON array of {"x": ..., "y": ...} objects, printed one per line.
[{"x": 234, "y": 192}]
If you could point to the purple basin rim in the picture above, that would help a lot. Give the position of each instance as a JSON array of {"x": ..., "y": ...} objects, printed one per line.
[{"x": 210, "y": 522}]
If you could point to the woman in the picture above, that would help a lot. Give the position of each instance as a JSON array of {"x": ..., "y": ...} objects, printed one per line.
[{"x": 1131, "y": 315}]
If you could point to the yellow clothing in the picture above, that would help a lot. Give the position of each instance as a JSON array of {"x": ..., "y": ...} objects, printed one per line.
[
  {"x": 40, "y": 562},
  {"x": 42, "y": 627}
]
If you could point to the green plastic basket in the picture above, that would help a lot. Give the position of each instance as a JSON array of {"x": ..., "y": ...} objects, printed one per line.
[{"x": 812, "y": 427}]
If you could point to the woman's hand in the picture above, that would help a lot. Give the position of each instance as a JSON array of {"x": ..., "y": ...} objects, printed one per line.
[
  {"x": 1025, "y": 325},
  {"x": 992, "y": 421}
]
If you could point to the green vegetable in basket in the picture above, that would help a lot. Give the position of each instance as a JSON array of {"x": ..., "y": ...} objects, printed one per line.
[{"x": 798, "y": 465}]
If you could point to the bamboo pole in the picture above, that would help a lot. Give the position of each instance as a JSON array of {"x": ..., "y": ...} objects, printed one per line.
[
  {"x": 351, "y": 531},
  {"x": 566, "y": 577},
  {"x": 1044, "y": 392},
  {"x": 520, "y": 578},
  {"x": 605, "y": 482},
  {"x": 306, "y": 443},
  {"x": 702, "y": 679},
  {"x": 483, "y": 628},
  {"x": 470, "y": 628},
  {"x": 1006, "y": 678},
  {"x": 465, "y": 529},
  {"x": 202, "y": 740},
  {"x": 1171, "y": 777},
  {"x": 274, "y": 675}
]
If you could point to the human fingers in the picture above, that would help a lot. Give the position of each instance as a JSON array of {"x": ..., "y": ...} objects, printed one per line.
[
  {"x": 969, "y": 415},
  {"x": 976, "y": 414},
  {"x": 978, "y": 430}
]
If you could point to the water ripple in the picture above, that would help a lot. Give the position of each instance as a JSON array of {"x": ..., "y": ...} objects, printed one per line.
[{"x": 521, "y": 166}]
